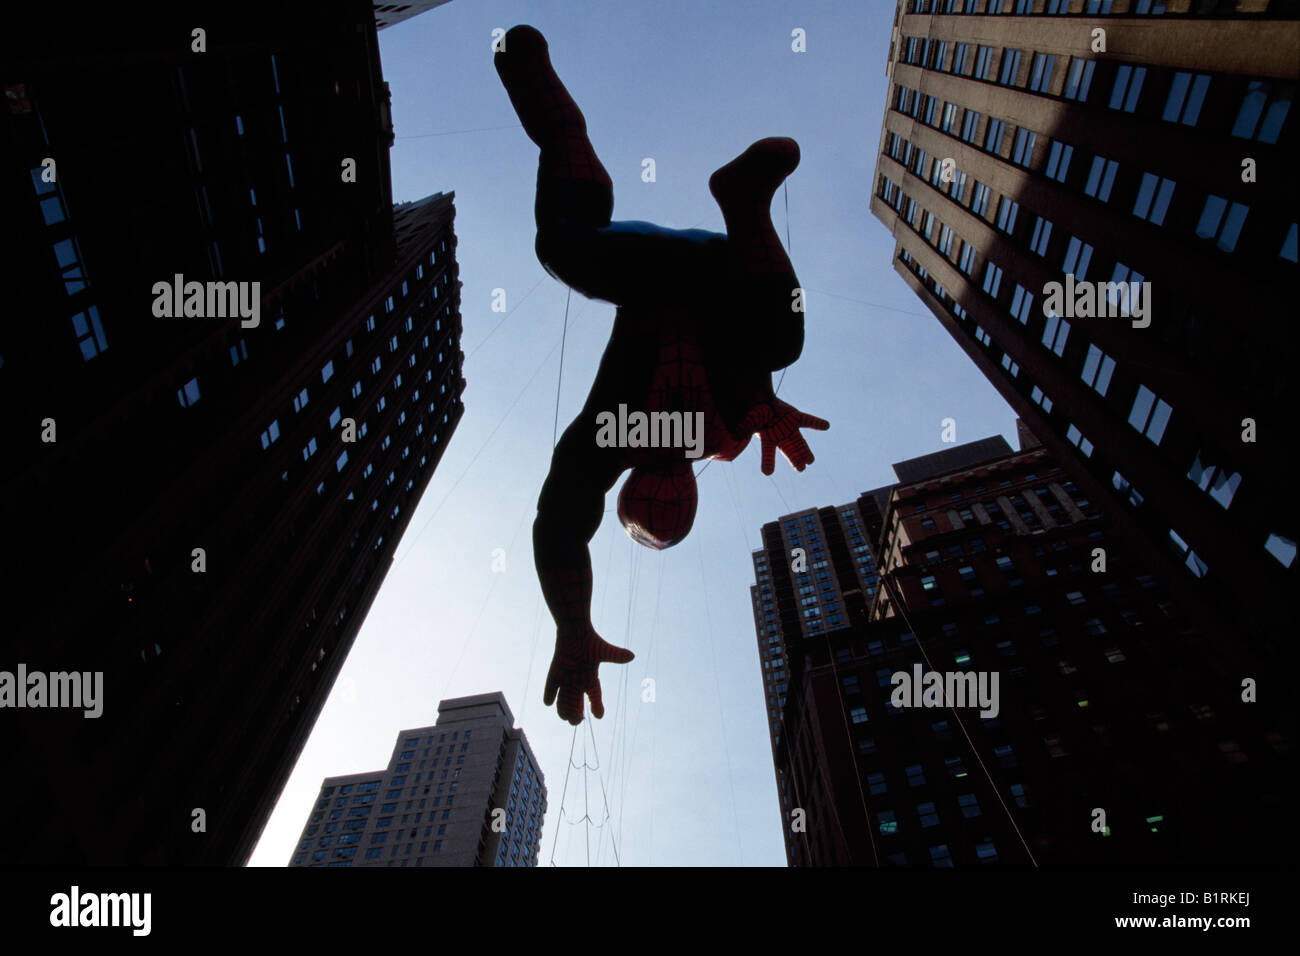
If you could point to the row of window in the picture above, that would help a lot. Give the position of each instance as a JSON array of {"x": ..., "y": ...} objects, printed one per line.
[{"x": 1023, "y": 8}]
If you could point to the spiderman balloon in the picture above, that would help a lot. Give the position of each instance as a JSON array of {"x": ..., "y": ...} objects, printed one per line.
[{"x": 702, "y": 321}]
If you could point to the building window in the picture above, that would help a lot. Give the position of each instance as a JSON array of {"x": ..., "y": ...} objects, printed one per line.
[
  {"x": 1263, "y": 102},
  {"x": 1222, "y": 222},
  {"x": 945, "y": 240},
  {"x": 1077, "y": 256},
  {"x": 940, "y": 855},
  {"x": 949, "y": 117},
  {"x": 1023, "y": 151},
  {"x": 1288, "y": 250},
  {"x": 1058, "y": 161},
  {"x": 1008, "y": 209},
  {"x": 1153, "y": 198},
  {"x": 300, "y": 400},
  {"x": 960, "y": 58},
  {"x": 967, "y": 261},
  {"x": 1101, "y": 177},
  {"x": 984, "y": 63},
  {"x": 1150, "y": 414},
  {"x": 1040, "y": 72},
  {"x": 1022, "y": 302},
  {"x": 1010, "y": 67},
  {"x": 90, "y": 334},
  {"x": 1186, "y": 94},
  {"x": 1079, "y": 80},
  {"x": 68, "y": 255},
  {"x": 992, "y": 278},
  {"x": 1040, "y": 397},
  {"x": 980, "y": 199},
  {"x": 1055, "y": 333},
  {"x": 1042, "y": 233},
  {"x": 993, "y": 135},
  {"x": 1127, "y": 88},
  {"x": 1097, "y": 369},
  {"x": 188, "y": 393},
  {"x": 1075, "y": 437},
  {"x": 1282, "y": 548},
  {"x": 1221, "y": 486},
  {"x": 970, "y": 123}
]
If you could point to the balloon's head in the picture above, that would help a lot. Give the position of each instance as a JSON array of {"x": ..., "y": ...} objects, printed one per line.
[{"x": 657, "y": 504}]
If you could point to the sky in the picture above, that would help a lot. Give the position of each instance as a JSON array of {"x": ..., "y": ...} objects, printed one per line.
[{"x": 685, "y": 779}]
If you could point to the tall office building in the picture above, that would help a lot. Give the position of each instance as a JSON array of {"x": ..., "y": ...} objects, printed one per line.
[
  {"x": 465, "y": 792},
  {"x": 1139, "y": 153},
  {"x": 239, "y": 368},
  {"x": 985, "y": 564}
]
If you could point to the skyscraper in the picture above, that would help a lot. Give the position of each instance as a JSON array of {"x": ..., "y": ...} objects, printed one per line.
[
  {"x": 1094, "y": 198},
  {"x": 387, "y": 14},
  {"x": 465, "y": 792},
  {"x": 1088, "y": 688},
  {"x": 205, "y": 500}
]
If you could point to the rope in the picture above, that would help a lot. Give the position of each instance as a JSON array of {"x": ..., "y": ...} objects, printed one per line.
[
  {"x": 518, "y": 305},
  {"x": 555, "y": 429},
  {"x": 486, "y": 441},
  {"x": 564, "y": 792}
]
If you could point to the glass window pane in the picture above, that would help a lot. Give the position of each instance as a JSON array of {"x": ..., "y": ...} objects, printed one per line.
[
  {"x": 1232, "y": 224},
  {"x": 1252, "y": 107},
  {"x": 1210, "y": 216}
]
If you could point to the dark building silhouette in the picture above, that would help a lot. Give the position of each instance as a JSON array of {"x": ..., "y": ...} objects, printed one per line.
[
  {"x": 1109, "y": 695},
  {"x": 203, "y": 506},
  {"x": 465, "y": 792},
  {"x": 1113, "y": 143}
]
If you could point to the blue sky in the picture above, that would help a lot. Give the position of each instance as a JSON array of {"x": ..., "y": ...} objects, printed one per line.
[{"x": 689, "y": 777}]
